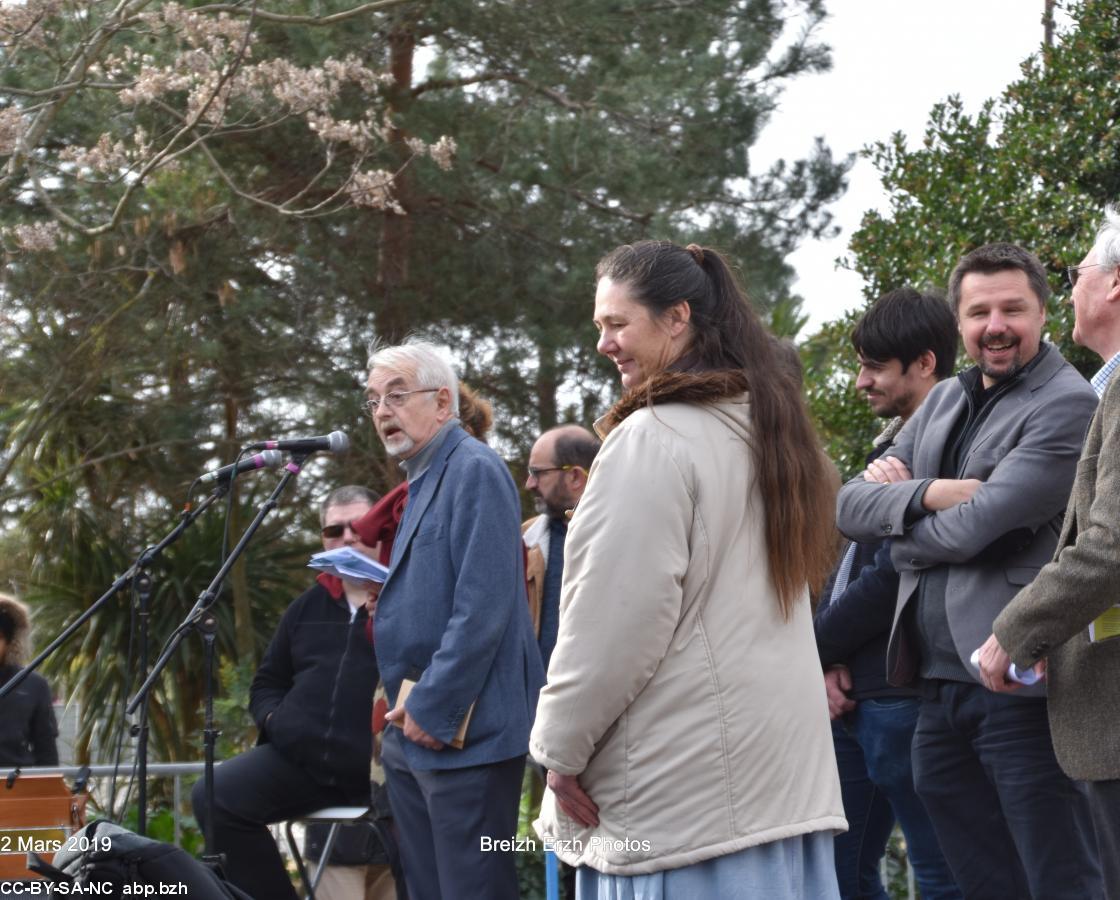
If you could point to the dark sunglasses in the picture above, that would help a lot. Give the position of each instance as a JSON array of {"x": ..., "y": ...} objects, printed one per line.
[{"x": 336, "y": 531}]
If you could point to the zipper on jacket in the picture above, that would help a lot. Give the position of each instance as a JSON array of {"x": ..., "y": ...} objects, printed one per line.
[{"x": 351, "y": 630}]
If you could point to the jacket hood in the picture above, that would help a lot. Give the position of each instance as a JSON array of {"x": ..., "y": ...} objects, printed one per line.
[
  {"x": 697, "y": 388},
  {"x": 19, "y": 649}
]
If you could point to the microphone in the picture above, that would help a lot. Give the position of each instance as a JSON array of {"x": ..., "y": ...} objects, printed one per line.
[
  {"x": 335, "y": 442},
  {"x": 270, "y": 459}
]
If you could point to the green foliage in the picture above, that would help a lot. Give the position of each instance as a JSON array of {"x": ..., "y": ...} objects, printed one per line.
[
  {"x": 161, "y": 827},
  {"x": 200, "y": 315},
  {"x": 78, "y": 554},
  {"x": 231, "y": 708},
  {"x": 1034, "y": 167},
  {"x": 844, "y": 421}
]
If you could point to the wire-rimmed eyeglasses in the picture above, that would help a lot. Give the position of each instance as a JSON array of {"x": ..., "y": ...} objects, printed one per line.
[
  {"x": 1074, "y": 272},
  {"x": 394, "y": 399}
]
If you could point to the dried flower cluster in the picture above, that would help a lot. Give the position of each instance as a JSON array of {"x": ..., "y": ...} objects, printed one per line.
[
  {"x": 11, "y": 129},
  {"x": 104, "y": 156},
  {"x": 373, "y": 189},
  {"x": 26, "y": 22},
  {"x": 193, "y": 77},
  {"x": 35, "y": 237}
]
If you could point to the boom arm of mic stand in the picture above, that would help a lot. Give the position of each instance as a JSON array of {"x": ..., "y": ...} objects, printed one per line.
[
  {"x": 144, "y": 559},
  {"x": 208, "y": 596},
  {"x": 199, "y": 617}
]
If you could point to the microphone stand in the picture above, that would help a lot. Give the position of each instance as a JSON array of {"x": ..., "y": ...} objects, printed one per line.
[
  {"x": 143, "y": 585},
  {"x": 138, "y": 575},
  {"x": 203, "y": 620}
]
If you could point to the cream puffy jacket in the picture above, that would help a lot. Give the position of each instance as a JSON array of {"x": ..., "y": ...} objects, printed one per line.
[{"x": 694, "y": 715}]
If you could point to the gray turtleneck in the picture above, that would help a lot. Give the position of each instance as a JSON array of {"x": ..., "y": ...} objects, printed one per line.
[{"x": 418, "y": 464}]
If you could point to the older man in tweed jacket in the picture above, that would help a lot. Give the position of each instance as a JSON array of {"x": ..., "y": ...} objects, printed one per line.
[{"x": 1048, "y": 623}]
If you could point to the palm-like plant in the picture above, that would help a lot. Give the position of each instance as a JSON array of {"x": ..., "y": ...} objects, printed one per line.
[{"x": 79, "y": 554}]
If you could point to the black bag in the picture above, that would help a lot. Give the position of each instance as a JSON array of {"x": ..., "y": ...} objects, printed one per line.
[
  {"x": 115, "y": 860},
  {"x": 358, "y": 844},
  {"x": 354, "y": 845}
]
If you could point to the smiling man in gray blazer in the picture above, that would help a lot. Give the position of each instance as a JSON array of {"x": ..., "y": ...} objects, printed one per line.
[
  {"x": 972, "y": 495},
  {"x": 1050, "y": 619}
]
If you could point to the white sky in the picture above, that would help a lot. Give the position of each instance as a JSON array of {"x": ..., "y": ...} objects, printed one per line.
[{"x": 892, "y": 60}]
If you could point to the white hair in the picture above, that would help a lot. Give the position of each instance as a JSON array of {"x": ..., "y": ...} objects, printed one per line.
[
  {"x": 1107, "y": 244},
  {"x": 422, "y": 360}
]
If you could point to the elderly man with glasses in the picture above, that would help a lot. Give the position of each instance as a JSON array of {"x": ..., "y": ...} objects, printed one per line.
[
  {"x": 1066, "y": 622},
  {"x": 454, "y": 642},
  {"x": 312, "y": 700}
]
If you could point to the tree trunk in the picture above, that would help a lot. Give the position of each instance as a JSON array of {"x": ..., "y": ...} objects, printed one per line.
[
  {"x": 395, "y": 246},
  {"x": 239, "y": 581},
  {"x": 546, "y": 384}
]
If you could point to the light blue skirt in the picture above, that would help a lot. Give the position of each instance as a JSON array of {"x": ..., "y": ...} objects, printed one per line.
[{"x": 797, "y": 868}]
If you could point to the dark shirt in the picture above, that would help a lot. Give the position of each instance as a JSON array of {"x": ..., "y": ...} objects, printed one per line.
[
  {"x": 550, "y": 595},
  {"x": 853, "y": 629},
  {"x": 939, "y": 656},
  {"x": 28, "y": 728}
]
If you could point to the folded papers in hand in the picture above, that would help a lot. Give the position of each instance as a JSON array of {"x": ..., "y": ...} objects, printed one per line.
[
  {"x": 1027, "y": 676},
  {"x": 349, "y": 564}
]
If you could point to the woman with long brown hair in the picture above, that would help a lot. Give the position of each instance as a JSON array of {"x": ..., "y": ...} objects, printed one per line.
[{"x": 684, "y": 722}]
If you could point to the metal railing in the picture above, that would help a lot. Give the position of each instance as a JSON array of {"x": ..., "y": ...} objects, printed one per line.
[{"x": 123, "y": 772}]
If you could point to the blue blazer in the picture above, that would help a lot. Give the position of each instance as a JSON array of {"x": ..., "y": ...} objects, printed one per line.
[{"x": 454, "y": 611}]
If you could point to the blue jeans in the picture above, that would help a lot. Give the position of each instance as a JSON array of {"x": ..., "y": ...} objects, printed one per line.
[
  {"x": 876, "y": 781},
  {"x": 1009, "y": 820}
]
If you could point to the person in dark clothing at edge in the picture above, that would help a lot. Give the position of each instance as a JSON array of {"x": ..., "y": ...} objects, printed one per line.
[
  {"x": 905, "y": 343},
  {"x": 312, "y": 700},
  {"x": 27, "y": 724}
]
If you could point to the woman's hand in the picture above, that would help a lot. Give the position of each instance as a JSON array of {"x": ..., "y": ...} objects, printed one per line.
[{"x": 573, "y": 799}]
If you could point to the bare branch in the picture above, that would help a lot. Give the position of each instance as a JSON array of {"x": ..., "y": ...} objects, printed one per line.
[
  {"x": 57, "y": 89},
  {"x": 321, "y": 208},
  {"x": 435, "y": 84},
  {"x": 165, "y": 154},
  {"x": 553, "y": 95},
  {"x": 82, "y": 58},
  {"x": 280, "y": 19}
]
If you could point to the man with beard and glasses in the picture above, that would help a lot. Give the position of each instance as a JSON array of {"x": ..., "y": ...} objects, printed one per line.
[
  {"x": 972, "y": 494},
  {"x": 558, "y": 467}
]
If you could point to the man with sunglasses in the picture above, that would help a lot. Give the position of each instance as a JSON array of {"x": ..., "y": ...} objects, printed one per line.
[
  {"x": 453, "y": 629},
  {"x": 1066, "y": 622},
  {"x": 312, "y": 700},
  {"x": 558, "y": 467}
]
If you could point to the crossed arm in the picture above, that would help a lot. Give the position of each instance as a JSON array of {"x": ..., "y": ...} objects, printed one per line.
[{"x": 1027, "y": 488}]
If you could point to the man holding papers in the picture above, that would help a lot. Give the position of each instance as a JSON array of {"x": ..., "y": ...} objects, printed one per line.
[
  {"x": 453, "y": 620},
  {"x": 1065, "y": 621},
  {"x": 312, "y": 700}
]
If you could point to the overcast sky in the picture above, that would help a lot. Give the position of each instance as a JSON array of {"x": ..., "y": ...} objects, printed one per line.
[{"x": 892, "y": 60}]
